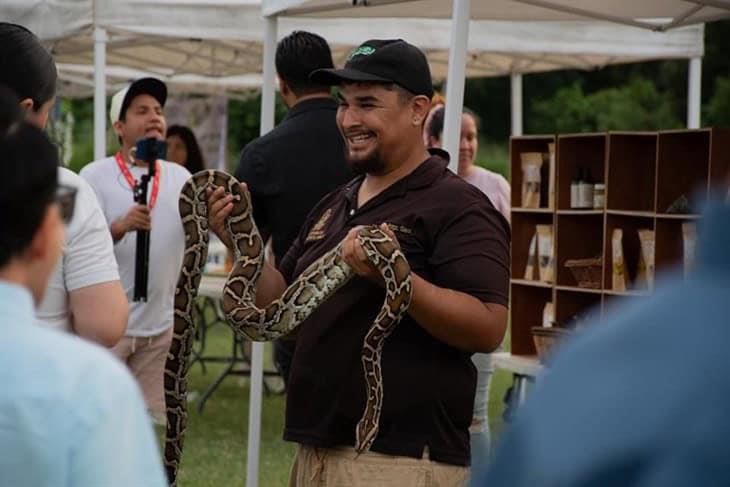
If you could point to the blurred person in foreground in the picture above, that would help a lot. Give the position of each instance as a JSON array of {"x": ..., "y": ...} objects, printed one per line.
[
  {"x": 183, "y": 148},
  {"x": 497, "y": 189},
  {"x": 84, "y": 295},
  {"x": 70, "y": 414},
  {"x": 292, "y": 167},
  {"x": 458, "y": 252},
  {"x": 641, "y": 400}
]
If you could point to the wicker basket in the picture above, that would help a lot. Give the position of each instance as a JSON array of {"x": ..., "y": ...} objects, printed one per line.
[
  {"x": 546, "y": 339},
  {"x": 587, "y": 272}
]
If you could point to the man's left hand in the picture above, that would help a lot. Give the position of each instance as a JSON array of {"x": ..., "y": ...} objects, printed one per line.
[{"x": 354, "y": 255}]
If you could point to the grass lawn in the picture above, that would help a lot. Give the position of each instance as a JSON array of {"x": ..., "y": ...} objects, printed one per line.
[{"x": 215, "y": 444}]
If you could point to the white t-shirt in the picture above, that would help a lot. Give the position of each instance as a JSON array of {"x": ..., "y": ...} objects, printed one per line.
[
  {"x": 88, "y": 255},
  {"x": 494, "y": 185},
  {"x": 167, "y": 241}
]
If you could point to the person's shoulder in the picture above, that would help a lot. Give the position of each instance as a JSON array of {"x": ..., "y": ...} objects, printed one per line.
[
  {"x": 178, "y": 171},
  {"x": 94, "y": 168}
]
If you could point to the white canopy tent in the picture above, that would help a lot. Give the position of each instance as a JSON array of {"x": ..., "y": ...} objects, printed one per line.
[{"x": 659, "y": 15}]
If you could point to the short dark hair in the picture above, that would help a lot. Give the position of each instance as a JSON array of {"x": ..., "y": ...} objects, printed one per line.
[
  {"x": 297, "y": 55},
  {"x": 27, "y": 67},
  {"x": 194, "y": 163},
  {"x": 436, "y": 125},
  {"x": 29, "y": 164}
]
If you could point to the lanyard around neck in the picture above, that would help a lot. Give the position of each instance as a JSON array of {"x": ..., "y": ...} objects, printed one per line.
[{"x": 133, "y": 182}]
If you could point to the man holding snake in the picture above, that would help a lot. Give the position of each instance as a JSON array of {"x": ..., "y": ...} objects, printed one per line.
[{"x": 458, "y": 250}]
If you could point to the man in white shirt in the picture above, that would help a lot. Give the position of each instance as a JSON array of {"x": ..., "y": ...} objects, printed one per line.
[
  {"x": 70, "y": 415},
  {"x": 136, "y": 113},
  {"x": 84, "y": 294}
]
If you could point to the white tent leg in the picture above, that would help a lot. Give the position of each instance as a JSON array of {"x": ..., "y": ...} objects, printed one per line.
[
  {"x": 100, "y": 40},
  {"x": 516, "y": 104},
  {"x": 257, "y": 348},
  {"x": 694, "y": 93},
  {"x": 456, "y": 75}
]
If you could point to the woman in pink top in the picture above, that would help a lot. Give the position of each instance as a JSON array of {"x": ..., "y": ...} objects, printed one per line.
[
  {"x": 494, "y": 185},
  {"x": 497, "y": 189}
]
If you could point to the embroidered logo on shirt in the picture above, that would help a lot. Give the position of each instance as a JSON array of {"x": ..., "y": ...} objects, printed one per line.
[
  {"x": 400, "y": 229},
  {"x": 317, "y": 231}
]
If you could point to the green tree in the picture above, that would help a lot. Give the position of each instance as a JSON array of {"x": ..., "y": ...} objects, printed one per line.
[
  {"x": 637, "y": 105},
  {"x": 717, "y": 110}
]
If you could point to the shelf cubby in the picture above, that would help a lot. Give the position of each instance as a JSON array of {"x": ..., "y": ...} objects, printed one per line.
[
  {"x": 631, "y": 171},
  {"x": 578, "y": 237},
  {"x": 529, "y": 143},
  {"x": 523, "y": 228},
  {"x": 587, "y": 151},
  {"x": 683, "y": 158},
  {"x": 630, "y": 243},
  {"x": 572, "y": 303},
  {"x": 528, "y": 303}
]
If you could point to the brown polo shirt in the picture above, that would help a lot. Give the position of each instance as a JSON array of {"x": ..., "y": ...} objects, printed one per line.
[{"x": 454, "y": 238}]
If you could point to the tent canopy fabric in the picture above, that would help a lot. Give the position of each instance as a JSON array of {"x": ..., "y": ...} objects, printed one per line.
[
  {"x": 651, "y": 14},
  {"x": 215, "y": 46}
]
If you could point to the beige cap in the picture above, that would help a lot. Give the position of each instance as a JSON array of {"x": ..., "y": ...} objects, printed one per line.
[{"x": 122, "y": 98}]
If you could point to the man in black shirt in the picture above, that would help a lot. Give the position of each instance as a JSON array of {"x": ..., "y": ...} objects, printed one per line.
[
  {"x": 292, "y": 167},
  {"x": 457, "y": 245}
]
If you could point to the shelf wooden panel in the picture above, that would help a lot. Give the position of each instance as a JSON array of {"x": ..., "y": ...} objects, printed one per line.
[
  {"x": 683, "y": 160},
  {"x": 531, "y": 210},
  {"x": 586, "y": 151},
  {"x": 677, "y": 216},
  {"x": 580, "y": 212},
  {"x": 526, "y": 282},
  {"x": 626, "y": 293},
  {"x": 577, "y": 289},
  {"x": 631, "y": 245},
  {"x": 719, "y": 157},
  {"x": 526, "y": 310},
  {"x": 631, "y": 171},
  {"x": 641, "y": 214}
]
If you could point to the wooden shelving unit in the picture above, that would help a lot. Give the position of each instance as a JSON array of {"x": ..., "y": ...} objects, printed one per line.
[{"x": 644, "y": 173}]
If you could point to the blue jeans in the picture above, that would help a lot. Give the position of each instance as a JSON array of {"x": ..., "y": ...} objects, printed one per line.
[{"x": 480, "y": 440}]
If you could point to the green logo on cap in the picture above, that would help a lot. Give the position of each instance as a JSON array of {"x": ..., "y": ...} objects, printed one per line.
[{"x": 361, "y": 51}]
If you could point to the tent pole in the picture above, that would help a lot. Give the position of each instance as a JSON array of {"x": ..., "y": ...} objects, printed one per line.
[
  {"x": 516, "y": 104},
  {"x": 257, "y": 348},
  {"x": 100, "y": 40},
  {"x": 456, "y": 75},
  {"x": 694, "y": 93}
]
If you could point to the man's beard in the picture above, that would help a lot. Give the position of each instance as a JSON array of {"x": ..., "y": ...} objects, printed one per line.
[{"x": 373, "y": 164}]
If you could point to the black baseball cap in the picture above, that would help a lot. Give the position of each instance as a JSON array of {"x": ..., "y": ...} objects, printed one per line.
[
  {"x": 382, "y": 61},
  {"x": 147, "y": 86}
]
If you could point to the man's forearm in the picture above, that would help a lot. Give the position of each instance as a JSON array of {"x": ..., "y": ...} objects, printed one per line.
[
  {"x": 270, "y": 286},
  {"x": 456, "y": 318},
  {"x": 118, "y": 229}
]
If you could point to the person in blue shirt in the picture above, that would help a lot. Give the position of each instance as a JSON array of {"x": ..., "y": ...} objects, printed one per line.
[
  {"x": 70, "y": 414},
  {"x": 640, "y": 401}
]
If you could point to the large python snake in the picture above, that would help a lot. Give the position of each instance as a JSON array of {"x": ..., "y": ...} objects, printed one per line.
[{"x": 314, "y": 286}]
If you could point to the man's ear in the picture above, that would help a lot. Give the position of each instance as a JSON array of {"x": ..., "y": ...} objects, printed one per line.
[
  {"x": 118, "y": 126},
  {"x": 26, "y": 105},
  {"x": 283, "y": 87},
  {"x": 420, "y": 105}
]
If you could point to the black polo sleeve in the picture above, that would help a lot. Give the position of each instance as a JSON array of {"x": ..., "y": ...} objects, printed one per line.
[{"x": 471, "y": 254}]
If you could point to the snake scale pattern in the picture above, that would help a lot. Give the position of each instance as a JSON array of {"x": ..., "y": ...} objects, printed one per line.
[{"x": 314, "y": 286}]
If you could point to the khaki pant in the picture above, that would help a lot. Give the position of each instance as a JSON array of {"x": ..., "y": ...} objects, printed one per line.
[
  {"x": 341, "y": 467},
  {"x": 145, "y": 357}
]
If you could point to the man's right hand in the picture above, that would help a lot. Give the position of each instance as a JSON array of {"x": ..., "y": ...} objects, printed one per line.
[
  {"x": 137, "y": 218},
  {"x": 220, "y": 206}
]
